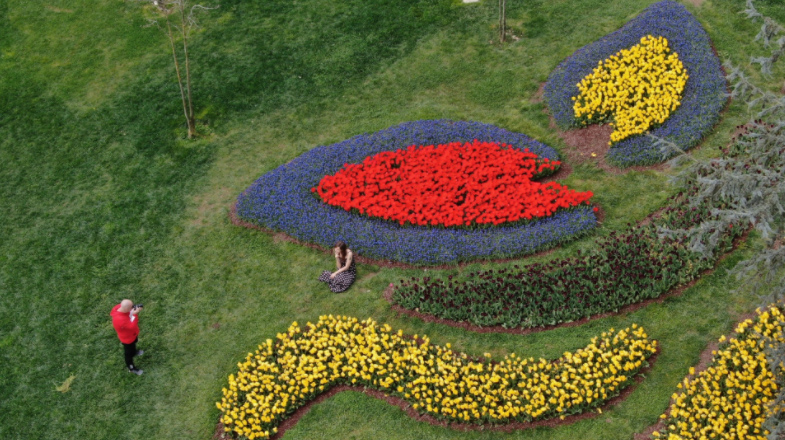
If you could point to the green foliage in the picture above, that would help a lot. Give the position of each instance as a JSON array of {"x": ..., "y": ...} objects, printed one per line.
[{"x": 768, "y": 34}]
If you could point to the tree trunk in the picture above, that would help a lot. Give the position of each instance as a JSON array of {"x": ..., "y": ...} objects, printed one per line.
[
  {"x": 502, "y": 19},
  {"x": 189, "y": 119}
]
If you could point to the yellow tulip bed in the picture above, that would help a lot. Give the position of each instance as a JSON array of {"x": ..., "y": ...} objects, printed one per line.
[
  {"x": 302, "y": 363},
  {"x": 730, "y": 399},
  {"x": 639, "y": 87}
]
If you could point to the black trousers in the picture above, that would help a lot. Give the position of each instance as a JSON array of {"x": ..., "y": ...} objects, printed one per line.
[{"x": 130, "y": 352}]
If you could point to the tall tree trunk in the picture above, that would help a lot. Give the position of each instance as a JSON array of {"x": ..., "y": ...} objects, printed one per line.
[
  {"x": 502, "y": 19},
  {"x": 180, "y": 80}
]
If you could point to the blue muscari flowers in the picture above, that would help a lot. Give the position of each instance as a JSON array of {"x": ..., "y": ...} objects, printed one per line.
[
  {"x": 282, "y": 200},
  {"x": 704, "y": 94}
]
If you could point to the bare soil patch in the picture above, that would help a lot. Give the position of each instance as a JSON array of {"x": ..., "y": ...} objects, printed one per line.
[
  {"x": 280, "y": 237},
  {"x": 589, "y": 144}
]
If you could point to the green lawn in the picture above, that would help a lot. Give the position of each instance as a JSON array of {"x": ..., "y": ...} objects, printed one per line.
[{"x": 102, "y": 198}]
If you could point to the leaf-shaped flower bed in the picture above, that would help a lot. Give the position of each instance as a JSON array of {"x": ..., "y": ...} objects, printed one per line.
[
  {"x": 478, "y": 183},
  {"x": 281, "y": 200},
  {"x": 703, "y": 96}
]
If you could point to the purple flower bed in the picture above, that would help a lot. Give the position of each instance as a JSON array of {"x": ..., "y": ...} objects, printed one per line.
[
  {"x": 282, "y": 200},
  {"x": 704, "y": 95}
]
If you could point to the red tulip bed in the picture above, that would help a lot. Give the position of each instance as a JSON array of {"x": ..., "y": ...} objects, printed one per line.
[{"x": 455, "y": 184}]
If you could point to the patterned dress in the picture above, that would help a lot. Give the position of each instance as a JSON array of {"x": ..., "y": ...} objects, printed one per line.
[{"x": 343, "y": 280}]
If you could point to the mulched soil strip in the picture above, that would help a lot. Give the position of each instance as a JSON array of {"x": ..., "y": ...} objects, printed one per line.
[
  {"x": 280, "y": 236},
  {"x": 553, "y": 422},
  {"x": 676, "y": 291},
  {"x": 703, "y": 364},
  {"x": 593, "y": 139}
]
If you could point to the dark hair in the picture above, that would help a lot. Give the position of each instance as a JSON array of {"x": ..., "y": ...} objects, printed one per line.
[{"x": 342, "y": 246}]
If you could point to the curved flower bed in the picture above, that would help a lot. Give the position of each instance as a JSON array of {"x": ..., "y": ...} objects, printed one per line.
[
  {"x": 281, "y": 200},
  {"x": 306, "y": 362},
  {"x": 478, "y": 183},
  {"x": 704, "y": 93},
  {"x": 730, "y": 400}
]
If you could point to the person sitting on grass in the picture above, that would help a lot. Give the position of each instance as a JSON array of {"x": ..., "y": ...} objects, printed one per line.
[{"x": 341, "y": 279}]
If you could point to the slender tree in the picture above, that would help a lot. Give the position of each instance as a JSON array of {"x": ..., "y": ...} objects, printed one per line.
[
  {"x": 502, "y": 19},
  {"x": 176, "y": 18}
]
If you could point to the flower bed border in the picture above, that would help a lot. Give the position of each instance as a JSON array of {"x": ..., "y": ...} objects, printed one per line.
[
  {"x": 237, "y": 221},
  {"x": 700, "y": 107},
  {"x": 281, "y": 200}
]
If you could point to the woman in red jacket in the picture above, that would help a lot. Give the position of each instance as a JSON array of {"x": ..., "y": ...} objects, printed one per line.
[{"x": 126, "y": 324}]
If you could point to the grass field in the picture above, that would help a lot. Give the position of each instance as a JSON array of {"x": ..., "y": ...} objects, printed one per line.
[{"x": 101, "y": 198}]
